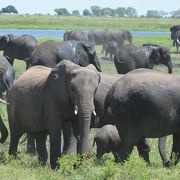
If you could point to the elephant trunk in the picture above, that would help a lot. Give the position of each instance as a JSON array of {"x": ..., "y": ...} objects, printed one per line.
[
  {"x": 85, "y": 111},
  {"x": 4, "y": 131}
]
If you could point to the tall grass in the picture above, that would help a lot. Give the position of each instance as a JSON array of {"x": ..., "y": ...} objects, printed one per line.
[{"x": 85, "y": 23}]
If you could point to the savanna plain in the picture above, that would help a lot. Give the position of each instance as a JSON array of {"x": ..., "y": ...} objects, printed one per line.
[{"x": 27, "y": 167}]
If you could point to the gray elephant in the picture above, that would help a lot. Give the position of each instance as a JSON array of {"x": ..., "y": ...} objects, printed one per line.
[
  {"x": 176, "y": 40},
  {"x": 7, "y": 75},
  {"x": 112, "y": 49},
  {"x": 51, "y": 52},
  {"x": 76, "y": 35},
  {"x": 19, "y": 47},
  {"x": 130, "y": 57},
  {"x": 173, "y": 30},
  {"x": 49, "y": 98},
  {"x": 147, "y": 106}
]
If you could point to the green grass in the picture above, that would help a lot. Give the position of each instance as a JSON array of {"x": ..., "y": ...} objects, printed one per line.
[
  {"x": 85, "y": 23},
  {"x": 27, "y": 167}
]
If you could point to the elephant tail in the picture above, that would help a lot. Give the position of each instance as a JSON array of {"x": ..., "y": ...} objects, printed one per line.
[
  {"x": 4, "y": 131},
  {"x": 162, "y": 149}
]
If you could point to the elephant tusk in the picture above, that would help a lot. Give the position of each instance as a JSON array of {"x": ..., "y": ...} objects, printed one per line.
[
  {"x": 94, "y": 112},
  {"x": 75, "y": 110},
  {"x": 3, "y": 101}
]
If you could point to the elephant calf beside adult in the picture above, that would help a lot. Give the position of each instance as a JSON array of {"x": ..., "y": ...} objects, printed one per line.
[
  {"x": 19, "y": 47},
  {"x": 51, "y": 52},
  {"x": 130, "y": 57}
]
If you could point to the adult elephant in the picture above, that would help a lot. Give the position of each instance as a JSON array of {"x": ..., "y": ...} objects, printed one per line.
[
  {"x": 173, "y": 30},
  {"x": 130, "y": 57},
  {"x": 49, "y": 98},
  {"x": 19, "y": 47},
  {"x": 7, "y": 75},
  {"x": 51, "y": 52},
  {"x": 147, "y": 106},
  {"x": 177, "y": 40},
  {"x": 76, "y": 35}
]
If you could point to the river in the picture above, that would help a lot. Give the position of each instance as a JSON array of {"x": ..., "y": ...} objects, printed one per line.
[{"x": 37, "y": 33}]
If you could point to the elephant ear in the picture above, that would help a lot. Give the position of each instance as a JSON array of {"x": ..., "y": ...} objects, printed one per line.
[
  {"x": 89, "y": 48},
  {"x": 4, "y": 40},
  {"x": 155, "y": 55}
]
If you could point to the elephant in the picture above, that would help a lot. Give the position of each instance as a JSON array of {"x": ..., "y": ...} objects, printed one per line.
[
  {"x": 173, "y": 30},
  {"x": 145, "y": 107},
  {"x": 51, "y": 52},
  {"x": 111, "y": 49},
  {"x": 130, "y": 57},
  {"x": 176, "y": 40},
  {"x": 19, "y": 47},
  {"x": 76, "y": 35},
  {"x": 107, "y": 140},
  {"x": 7, "y": 75},
  {"x": 50, "y": 97}
]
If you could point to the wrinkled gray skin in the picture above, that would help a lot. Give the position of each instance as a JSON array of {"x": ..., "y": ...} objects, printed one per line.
[
  {"x": 51, "y": 97},
  {"x": 130, "y": 57},
  {"x": 71, "y": 142},
  {"x": 147, "y": 106},
  {"x": 176, "y": 40},
  {"x": 76, "y": 35},
  {"x": 112, "y": 49},
  {"x": 7, "y": 75},
  {"x": 51, "y": 52},
  {"x": 19, "y": 47}
]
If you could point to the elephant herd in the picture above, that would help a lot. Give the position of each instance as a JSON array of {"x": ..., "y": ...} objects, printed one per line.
[{"x": 63, "y": 91}]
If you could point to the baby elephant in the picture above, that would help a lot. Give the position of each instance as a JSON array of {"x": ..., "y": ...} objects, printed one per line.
[
  {"x": 111, "y": 49},
  {"x": 107, "y": 140}
]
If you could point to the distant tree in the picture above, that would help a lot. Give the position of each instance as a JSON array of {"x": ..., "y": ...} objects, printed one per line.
[
  {"x": 62, "y": 12},
  {"x": 75, "y": 13},
  {"x": 175, "y": 14},
  {"x": 108, "y": 12},
  {"x": 96, "y": 10},
  {"x": 131, "y": 12},
  {"x": 153, "y": 14},
  {"x": 9, "y": 9},
  {"x": 163, "y": 13},
  {"x": 86, "y": 12},
  {"x": 120, "y": 11}
]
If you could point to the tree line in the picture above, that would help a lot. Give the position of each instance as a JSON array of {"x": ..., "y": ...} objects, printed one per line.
[{"x": 108, "y": 12}]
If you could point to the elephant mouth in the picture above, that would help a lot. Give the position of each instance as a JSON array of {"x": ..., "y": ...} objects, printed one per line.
[{"x": 76, "y": 110}]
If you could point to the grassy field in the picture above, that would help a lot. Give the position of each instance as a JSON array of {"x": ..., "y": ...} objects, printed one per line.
[
  {"x": 85, "y": 23},
  {"x": 27, "y": 167}
]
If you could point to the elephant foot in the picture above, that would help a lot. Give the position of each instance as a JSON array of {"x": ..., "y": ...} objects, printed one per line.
[{"x": 167, "y": 164}]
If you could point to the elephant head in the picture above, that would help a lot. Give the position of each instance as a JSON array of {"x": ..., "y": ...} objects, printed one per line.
[
  {"x": 4, "y": 40},
  {"x": 127, "y": 36},
  {"x": 86, "y": 54},
  {"x": 65, "y": 36},
  {"x": 75, "y": 88},
  {"x": 160, "y": 55}
]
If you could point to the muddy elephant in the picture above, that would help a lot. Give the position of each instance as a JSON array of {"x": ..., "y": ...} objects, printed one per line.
[
  {"x": 112, "y": 49},
  {"x": 49, "y": 98},
  {"x": 147, "y": 106},
  {"x": 7, "y": 75},
  {"x": 130, "y": 57},
  {"x": 51, "y": 52},
  {"x": 19, "y": 47},
  {"x": 76, "y": 35}
]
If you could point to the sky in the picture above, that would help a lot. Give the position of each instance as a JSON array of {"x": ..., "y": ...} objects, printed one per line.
[{"x": 48, "y": 6}]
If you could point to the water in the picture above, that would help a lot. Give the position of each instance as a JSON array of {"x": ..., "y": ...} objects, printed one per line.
[{"x": 37, "y": 33}]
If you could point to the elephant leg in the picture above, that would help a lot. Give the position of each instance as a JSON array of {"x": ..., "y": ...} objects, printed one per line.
[
  {"x": 70, "y": 141},
  {"x": 144, "y": 149},
  {"x": 103, "y": 48},
  {"x": 31, "y": 149},
  {"x": 55, "y": 147},
  {"x": 14, "y": 140},
  {"x": 115, "y": 157},
  {"x": 175, "y": 154},
  {"x": 41, "y": 147}
]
